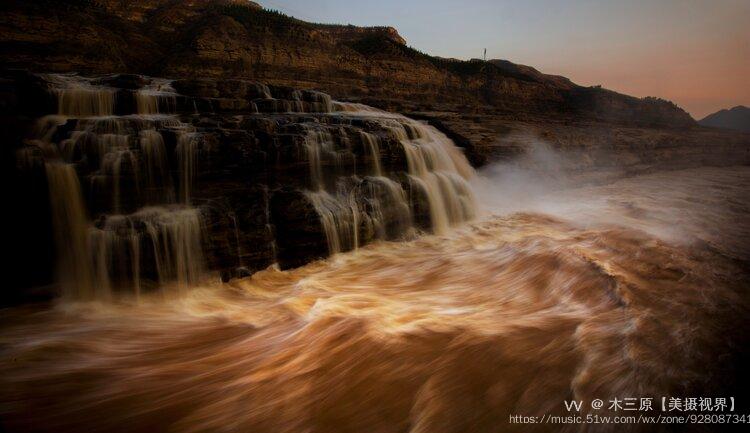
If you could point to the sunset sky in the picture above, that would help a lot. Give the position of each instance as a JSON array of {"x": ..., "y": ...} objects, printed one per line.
[{"x": 693, "y": 52}]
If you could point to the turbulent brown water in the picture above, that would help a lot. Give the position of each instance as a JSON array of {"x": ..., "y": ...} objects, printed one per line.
[{"x": 633, "y": 287}]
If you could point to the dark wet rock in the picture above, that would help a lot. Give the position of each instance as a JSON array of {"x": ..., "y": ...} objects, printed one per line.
[
  {"x": 299, "y": 234},
  {"x": 124, "y": 81},
  {"x": 250, "y": 170}
]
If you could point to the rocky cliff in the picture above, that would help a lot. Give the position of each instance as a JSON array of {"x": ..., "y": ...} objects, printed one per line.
[{"x": 220, "y": 38}]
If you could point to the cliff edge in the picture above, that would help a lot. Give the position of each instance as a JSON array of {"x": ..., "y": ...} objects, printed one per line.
[{"x": 234, "y": 39}]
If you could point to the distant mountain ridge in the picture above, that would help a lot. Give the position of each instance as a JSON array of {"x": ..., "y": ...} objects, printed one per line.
[{"x": 737, "y": 118}]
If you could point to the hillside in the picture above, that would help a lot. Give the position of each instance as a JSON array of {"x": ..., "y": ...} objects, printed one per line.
[
  {"x": 737, "y": 118},
  {"x": 484, "y": 106},
  {"x": 223, "y": 38}
]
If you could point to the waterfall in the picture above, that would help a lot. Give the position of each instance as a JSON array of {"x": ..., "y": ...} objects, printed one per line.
[
  {"x": 116, "y": 255},
  {"x": 375, "y": 206},
  {"x": 164, "y": 242},
  {"x": 158, "y": 182},
  {"x": 138, "y": 237},
  {"x": 236, "y": 230},
  {"x": 128, "y": 154},
  {"x": 113, "y": 162},
  {"x": 371, "y": 175},
  {"x": 371, "y": 143},
  {"x": 70, "y": 225},
  {"x": 176, "y": 238},
  {"x": 94, "y": 260},
  {"x": 263, "y": 90},
  {"x": 86, "y": 102},
  {"x": 321, "y": 102},
  {"x": 78, "y": 97},
  {"x": 156, "y": 98},
  {"x": 339, "y": 218},
  {"x": 385, "y": 202},
  {"x": 314, "y": 142},
  {"x": 437, "y": 170},
  {"x": 320, "y": 147},
  {"x": 440, "y": 170},
  {"x": 146, "y": 102},
  {"x": 187, "y": 154},
  {"x": 338, "y": 212}
]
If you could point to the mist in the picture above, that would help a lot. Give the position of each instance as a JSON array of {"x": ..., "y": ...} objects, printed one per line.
[{"x": 684, "y": 206}]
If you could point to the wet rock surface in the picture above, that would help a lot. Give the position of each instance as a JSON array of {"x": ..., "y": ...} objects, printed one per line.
[{"x": 274, "y": 175}]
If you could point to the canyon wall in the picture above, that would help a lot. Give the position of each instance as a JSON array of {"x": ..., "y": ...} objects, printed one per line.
[{"x": 234, "y": 39}]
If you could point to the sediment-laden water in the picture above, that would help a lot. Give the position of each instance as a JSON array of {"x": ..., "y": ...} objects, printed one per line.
[{"x": 633, "y": 287}]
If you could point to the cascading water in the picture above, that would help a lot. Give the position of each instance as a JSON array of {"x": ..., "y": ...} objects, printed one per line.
[
  {"x": 78, "y": 97},
  {"x": 338, "y": 212},
  {"x": 318, "y": 143},
  {"x": 70, "y": 226},
  {"x": 382, "y": 196},
  {"x": 339, "y": 218},
  {"x": 187, "y": 154},
  {"x": 125, "y": 159},
  {"x": 342, "y": 210},
  {"x": 436, "y": 168},
  {"x": 165, "y": 241},
  {"x": 158, "y": 97},
  {"x": 130, "y": 180},
  {"x": 158, "y": 182},
  {"x": 373, "y": 148},
  {"x": 440, "y": 171}
]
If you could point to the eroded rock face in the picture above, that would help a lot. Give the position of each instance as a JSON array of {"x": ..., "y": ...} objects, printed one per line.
[
  {"x": 221, "y": 38},
  {"x": 149, "y": 180}
]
